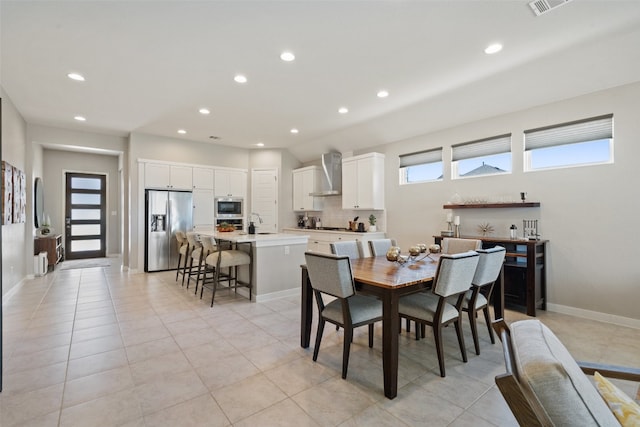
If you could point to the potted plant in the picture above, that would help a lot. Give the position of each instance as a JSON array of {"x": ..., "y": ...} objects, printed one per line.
[{"x": 372, "y": 222}]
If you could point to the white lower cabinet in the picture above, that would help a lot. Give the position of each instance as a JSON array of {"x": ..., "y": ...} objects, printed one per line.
[{"x": 320, "y": 240}]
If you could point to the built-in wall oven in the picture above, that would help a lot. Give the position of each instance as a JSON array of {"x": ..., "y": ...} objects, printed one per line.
[{"x": 230, "y": 210}]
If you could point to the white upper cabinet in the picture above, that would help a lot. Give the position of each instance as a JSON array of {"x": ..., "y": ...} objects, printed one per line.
[
  {"x": 363, "y": 182},
  {"x": 305, "y": 181},
  {"x": 203, "y": 208},
  {"x": 230, "y": 183},
  {"x": 203, "y": 178},
  {"x": 169, "y": 177}
]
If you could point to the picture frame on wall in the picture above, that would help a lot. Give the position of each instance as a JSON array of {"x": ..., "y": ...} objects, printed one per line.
[{"x": 7, "y": 193}]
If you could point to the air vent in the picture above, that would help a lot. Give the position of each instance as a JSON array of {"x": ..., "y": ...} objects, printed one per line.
[{"x": 543, "y": 6}]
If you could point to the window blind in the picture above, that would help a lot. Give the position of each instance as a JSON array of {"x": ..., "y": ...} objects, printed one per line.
[
  {"x": 421, "y": 157},
  {"x": 592, "y": 129},
  {"x": 481, "y": 147}
]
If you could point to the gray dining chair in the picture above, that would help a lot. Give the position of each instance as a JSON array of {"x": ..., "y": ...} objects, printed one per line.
[
  {"x": 380, "y": 247},
  {"x": 452, "y": 245},
  {"x": 453, "y": 279},
  {"x": 478, "y": 297},
  {"x": 350, "y": 248},
  {"x": 331, "y": 275}
]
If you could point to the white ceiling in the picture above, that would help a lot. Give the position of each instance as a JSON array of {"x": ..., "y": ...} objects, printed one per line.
[{"x": 150, "y": 65}]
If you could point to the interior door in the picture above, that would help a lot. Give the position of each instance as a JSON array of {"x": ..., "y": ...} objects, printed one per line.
[
  {"x": 85, "y": 215},
  {"x": 264, "y": 199}
]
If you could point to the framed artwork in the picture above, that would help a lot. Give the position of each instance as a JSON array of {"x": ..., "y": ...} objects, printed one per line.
[
  {"x": 22, "y": 205},
  {"x": 7, "y": 193}
]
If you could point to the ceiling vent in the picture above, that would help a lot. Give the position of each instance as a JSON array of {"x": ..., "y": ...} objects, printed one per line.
[{"x": 543, "y": 6}]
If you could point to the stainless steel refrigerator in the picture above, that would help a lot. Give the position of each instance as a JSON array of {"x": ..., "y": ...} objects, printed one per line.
[{"x": 165, "y": 213}]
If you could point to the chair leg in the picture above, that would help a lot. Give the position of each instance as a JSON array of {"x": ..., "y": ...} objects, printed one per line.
[
  {"x": 463, "y": 350},
  {"x": 184, "y": 267},
  {"x": 348, "y": 337},
  {"x": 487, "y": 319},
  {"x": 189, "y": 274},
  {"x": 319, "y": 332},
  {"x": 178, "y": 269},
  {"x": 408, "y": 323},
  {"x": 437, "y": 335},
  {"x": 474, "y": 329},
  {"x": 418, "y": 331},
  {"x": 371, "y": 335}
]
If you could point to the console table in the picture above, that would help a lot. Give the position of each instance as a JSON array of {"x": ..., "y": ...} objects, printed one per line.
[
  {"x": 50, "y": 244},
  {"x": 524, "y": 279}
]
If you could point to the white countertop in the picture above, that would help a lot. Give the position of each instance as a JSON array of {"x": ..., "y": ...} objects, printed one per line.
[
  {"x": 258, "y": 240},
  {"x": 317, "y": 230}
]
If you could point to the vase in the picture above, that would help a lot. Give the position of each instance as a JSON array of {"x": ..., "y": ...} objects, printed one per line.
[{"x": 373, "y": 228}]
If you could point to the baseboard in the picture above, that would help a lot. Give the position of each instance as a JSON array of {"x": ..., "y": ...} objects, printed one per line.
[
  {"x": 11, "y": 292},
  {"x": 594, "y": 315},
  {"x": 277, "y": 295}
]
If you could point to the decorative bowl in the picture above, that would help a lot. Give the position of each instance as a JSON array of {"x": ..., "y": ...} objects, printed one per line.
[{"x": 434, "y": 249}]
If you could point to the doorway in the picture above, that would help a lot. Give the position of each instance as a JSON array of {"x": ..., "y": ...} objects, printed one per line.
[{"x": 85, "y": 215}]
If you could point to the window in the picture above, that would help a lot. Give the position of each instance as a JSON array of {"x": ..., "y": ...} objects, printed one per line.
[
  {"x": 488, "y": 156},
  {"x": 422, "y": 166},
  {"x": 578, "y": 143}
]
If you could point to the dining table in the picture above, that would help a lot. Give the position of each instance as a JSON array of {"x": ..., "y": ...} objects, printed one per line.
[{"x": 388, "y": 281}]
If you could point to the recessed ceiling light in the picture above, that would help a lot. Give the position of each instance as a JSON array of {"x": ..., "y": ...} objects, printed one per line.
[
  {"x": 383, "y": 94},
  {"x": 294, "y": 130},
  {"x": 182, "y": 131},
  {"x": 204, "y": 111},
  {"x": 493, "y": 48},
  {"x": 287, "y": 56},
  {"x": 80, "y": 118},
  {"x": 343, "y": 110},
  {"x": 260, "y": 144},
  {"x": 239, "y": 78},
  {"x": 76, "y": 76}
]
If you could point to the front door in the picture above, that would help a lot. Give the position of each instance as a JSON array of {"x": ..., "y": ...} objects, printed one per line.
[{"x": 85, "y": 216}]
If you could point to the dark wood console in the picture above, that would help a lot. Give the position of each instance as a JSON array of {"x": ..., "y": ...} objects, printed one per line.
[
  {"x": 524, "y": 278},
  {"x": 52, "y": 245}
]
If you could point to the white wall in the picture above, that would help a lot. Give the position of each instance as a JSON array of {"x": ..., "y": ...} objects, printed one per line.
[
  {"x": 56, "y": 164},
  {"x": 587, "y": 213},
  {"x": 14, "y": 246}
]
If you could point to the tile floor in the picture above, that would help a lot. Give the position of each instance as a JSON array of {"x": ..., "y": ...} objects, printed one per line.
[{"x": 95, "y": 346}]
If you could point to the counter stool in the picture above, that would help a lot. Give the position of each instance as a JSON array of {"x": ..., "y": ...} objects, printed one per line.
[
  {"x": 183, "y": 247},
  {"x": 226, "y": 257},
  {"x": 208, "y": 247},
  {"x": 194, "y": 246}
]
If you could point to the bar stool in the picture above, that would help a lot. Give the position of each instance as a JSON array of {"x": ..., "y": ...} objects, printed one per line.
[
  {"x": 183, "y": 246},
  {"x": 226, "y": 257},
  {"x": 194, "y": 246},
  {"x": 208, "y": 247}
]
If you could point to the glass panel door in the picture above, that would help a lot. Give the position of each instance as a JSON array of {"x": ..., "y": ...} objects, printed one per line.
[{"x": 85, "y": 216}]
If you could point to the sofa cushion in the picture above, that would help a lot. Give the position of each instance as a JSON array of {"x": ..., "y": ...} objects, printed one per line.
[{"x": 547, "y": 368}]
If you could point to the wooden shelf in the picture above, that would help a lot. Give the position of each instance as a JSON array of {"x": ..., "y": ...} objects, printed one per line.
[{"x": 493, "y": 205}]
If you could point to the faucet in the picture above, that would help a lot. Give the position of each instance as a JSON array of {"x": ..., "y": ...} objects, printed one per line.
[{"x": 252, "y": 214}]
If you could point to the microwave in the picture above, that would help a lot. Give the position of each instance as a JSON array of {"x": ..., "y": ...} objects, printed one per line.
[{"x": 228, "y": 207}]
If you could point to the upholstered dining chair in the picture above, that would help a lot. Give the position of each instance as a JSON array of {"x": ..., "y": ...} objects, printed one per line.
[
  {"x": 452, "y": 245},
  {"x": 350, "y": 248},
  {"x": 331, "y": 275},
  {"x": 478, "y": 297},
  {"x": 380, "y": 247},
  {"x": 453, "y": 279},
  {"x": 183, "y": 246}
]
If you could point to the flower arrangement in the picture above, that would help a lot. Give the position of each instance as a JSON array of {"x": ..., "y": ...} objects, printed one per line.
[{"x": 372, "y": 219}]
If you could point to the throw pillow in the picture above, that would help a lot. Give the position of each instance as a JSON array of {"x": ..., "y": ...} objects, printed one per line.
[{"x": 623, "y": 407}]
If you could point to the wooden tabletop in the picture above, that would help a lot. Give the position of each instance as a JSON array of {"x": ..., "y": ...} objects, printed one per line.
[{"x": 378, "y": 271}]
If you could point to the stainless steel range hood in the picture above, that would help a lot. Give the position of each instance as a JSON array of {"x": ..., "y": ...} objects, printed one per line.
[{"x": 331, "y": 175}]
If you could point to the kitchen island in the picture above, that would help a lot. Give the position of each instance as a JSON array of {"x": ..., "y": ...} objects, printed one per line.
[
  {"x": 321, "y": 239},
  {"x": 276, "y": 261}
]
